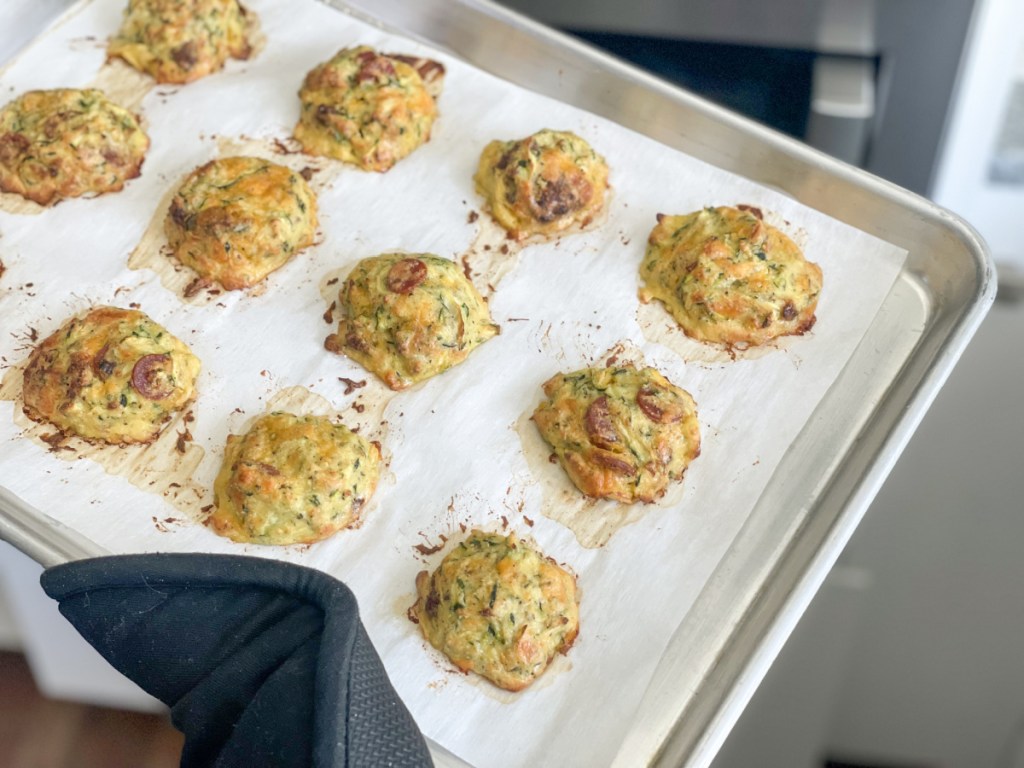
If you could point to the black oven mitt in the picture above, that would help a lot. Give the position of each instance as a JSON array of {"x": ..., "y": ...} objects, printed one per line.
[{"x": 262, "y": 663}]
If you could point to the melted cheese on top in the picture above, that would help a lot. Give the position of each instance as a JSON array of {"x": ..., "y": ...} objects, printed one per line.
[
  {"x": 728, "y": 277},
  {"x": 112, "y": 375},
  {"x": 67, "y": 143},
  {"x": 409, "y": 317},
  {"x": 292, "y": 480},
  {"x": 498, "y": 608},
  {"x": 620, "y": 433},
  {"x": 237, "y": 219},
  {"x": 178, "y": 41},
  {"x": 543, "y": 184},
  {"x": 365, "y": 108}
]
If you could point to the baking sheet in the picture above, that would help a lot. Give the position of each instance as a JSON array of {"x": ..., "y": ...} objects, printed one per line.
[{"x": 461, "y": 453}]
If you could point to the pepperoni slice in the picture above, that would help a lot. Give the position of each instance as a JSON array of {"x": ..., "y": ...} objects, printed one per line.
[
  {"x": 658, "y": 405},
  {"x": 598, "y": 423},
  {"x": 561, "y": 196},
  {"x": 614, "y": 463},
  {"x": 151, "y": 376},
  {"x": 102, "y": 366},
  {"x": 405, "y": 275},
  {"x": 373, "y": 67}
]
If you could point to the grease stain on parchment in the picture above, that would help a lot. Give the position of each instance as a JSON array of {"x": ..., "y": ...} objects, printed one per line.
[
  {"x": 560, "y": 665},
  {"x": 123, "y": 84},
  {"x": 165, "y": 467},
  {"x": 490, "y": 257},
  {"x": 330, "y": 290},
  {"x": 493, "y": 254},
  {"x": 18, "y": 205},
  {"x": 659, "y": 327}
]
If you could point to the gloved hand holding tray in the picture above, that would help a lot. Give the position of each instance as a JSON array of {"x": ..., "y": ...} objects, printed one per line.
[{"x": 460, "y": 450}]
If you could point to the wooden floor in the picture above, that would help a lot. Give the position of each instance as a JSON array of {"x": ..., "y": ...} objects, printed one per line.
[{"x": 37, "y": 732}]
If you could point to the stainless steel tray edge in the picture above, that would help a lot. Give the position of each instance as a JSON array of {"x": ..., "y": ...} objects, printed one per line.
[{"x": 47, "y": 541}]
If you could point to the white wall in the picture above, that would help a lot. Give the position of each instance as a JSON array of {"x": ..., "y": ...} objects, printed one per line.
[
  {"x": 937, "y": 669},
  {"x": 924, "y": 666}
]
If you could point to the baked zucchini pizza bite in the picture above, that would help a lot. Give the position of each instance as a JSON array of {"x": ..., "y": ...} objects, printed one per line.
[
  {"x": 409, "y": 316},
  {"x": 543, "y": 184},
  {"x": 112, "y": 376},
  {"x": 178, "y": 41},
  {"x": 499, "y": 608},
  {"x": 237, "y": 219},
  {"x": 293, "y": 480},
  {"x": 727, "y": 277},
  {"x": 68, "y": 142},
  {"x": 619, "y": 433},
  {"x": 366, "y": 108}
]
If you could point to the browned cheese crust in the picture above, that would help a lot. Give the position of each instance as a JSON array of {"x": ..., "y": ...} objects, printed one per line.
[
  {"x": 499, "y": 608},
  {"x": 237, "y": 219},
  {"x": 410, "y": 316},
  {"x": 620, "y": 433},
  {"x": 178, "y": 41},
  {"x": 542, "y": 185},
  {"x": 367, "y": 108},
  {"x": 112, "y": 376},
  {"x": 293, "y": 480},
  {"x": 727, "y": 277},
  {"x": 68, "y": 143}
]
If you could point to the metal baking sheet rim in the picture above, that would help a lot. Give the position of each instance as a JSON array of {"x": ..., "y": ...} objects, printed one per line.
[{"x": 819, "y": 494}]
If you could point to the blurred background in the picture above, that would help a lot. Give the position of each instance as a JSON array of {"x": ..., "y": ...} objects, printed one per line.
[{"x": 911, "y": 654}]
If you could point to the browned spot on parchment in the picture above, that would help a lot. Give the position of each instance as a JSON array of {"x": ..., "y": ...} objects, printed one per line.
[
  {"x": 367, "y": 420},
  {"x": 490, "y": 256},
  {"x": 153, "y": 253},
  {"x": 493, "y": 253},
  {"x": 18, "y": 205},
  {"x": 158, "y": 467},
  {"x": 123, "y": 84},
  {"x": 659, "y": 327},
  {"x": 330, "y": 287}
]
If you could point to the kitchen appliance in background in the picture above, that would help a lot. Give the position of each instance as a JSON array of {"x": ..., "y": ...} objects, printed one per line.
[{"x": 854, "y": 78}]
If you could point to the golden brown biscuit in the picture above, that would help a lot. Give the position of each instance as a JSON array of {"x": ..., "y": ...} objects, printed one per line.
[
  {"x": 409, "y": 316},
  {"x": 367, "y": 108},
  {"x": 729, "y": 278},
  {"x": 67, "y": 143},
  {"x": 112, "y": 375},
  {"x": 543, "y": 184},
  {"x": 293, "y": 480},
  {"x": 499, "y": 608},
  {"x": 237, "y": 219},
  {"x": 619, "y": 433},
  {"x": 178, "y": 41}
]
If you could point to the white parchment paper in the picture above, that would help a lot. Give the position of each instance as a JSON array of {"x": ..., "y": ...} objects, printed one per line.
[{"x": 456, "y": 443}]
